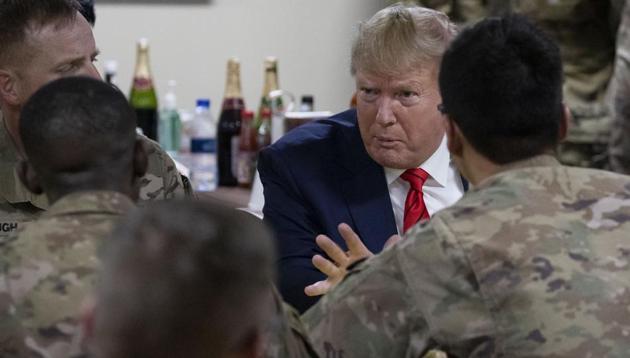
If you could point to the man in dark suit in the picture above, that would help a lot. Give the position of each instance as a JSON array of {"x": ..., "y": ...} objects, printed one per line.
[{"x": 381, "y": 168}]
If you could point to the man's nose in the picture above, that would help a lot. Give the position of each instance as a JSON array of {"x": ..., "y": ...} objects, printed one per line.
[
  {"x": 385, "y": 115},
  {"x": 92, "y": 71}
]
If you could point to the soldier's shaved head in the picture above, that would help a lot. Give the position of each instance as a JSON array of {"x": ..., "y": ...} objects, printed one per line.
[{"x": 79, "y": 134}]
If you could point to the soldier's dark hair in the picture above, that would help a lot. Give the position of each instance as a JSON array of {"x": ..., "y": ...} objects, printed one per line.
[
  {"x": 183, "y": 279},
  {"x": 79, "y": 133},
  {"x": 501, "y": 82},
  {"x": 18, "y": 17},
  {"x": 87, "y": 10}
]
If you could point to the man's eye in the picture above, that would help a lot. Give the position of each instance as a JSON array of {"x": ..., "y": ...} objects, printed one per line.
[
  {"x": 67, "y": 68},
  {"x": 368, "y": 94},
  {"x": 408, "y": 98}
]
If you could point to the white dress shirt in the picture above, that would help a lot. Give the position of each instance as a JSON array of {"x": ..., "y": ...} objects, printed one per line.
[{"x": 443, "y": 187}]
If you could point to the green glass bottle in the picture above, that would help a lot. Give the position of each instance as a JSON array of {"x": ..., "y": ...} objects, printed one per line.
[{"x": 142, "y": 96}]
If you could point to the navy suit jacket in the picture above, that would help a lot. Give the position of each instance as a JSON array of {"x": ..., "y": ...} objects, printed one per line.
[{"x": 315, "y": 177}]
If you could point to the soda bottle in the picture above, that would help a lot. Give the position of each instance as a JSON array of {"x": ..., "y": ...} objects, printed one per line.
[{"x": 230, "y": 125}]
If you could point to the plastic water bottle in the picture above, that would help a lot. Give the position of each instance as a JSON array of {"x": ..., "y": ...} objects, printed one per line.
[
  {"x": 203, "y": 159},
  {"x": 169, "y": 126}
]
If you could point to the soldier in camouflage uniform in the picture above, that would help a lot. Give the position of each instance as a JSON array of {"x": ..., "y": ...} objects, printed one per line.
[
  {"x": 619, "y": 149},
  {"x": 71, "y": 130},
  {"x": 198, "y": 275},
  {"x": 41, "y": 41},
  {"x": 585, "y": 31},
  {"x": 533, "y": 262}
]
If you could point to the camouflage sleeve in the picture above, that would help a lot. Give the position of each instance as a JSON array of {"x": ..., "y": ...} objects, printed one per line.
[
  {"x": 288, "y": 337},
  {"x": 369, "y": 314},
  {"x": 162, "y": 180},
  {"x": 11, "y": 333},
  {"x": 619, "y": 146},
  {"x": 416, "y": 296}
]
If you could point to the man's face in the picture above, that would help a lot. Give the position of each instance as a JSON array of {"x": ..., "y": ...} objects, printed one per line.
[
  {"x": 55, "y": 52},
  {"x": 398, "y": 117}
]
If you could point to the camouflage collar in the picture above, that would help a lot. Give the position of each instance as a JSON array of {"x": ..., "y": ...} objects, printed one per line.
[
  {"x": 11, "y": 189},
  {"x": 84, "y": 202},
  {"x": 543, "y": 160}
]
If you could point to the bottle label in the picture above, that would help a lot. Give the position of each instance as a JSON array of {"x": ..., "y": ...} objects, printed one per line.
[
  {"x": 235, "y": 140},
  {"x": 141, "y": 83},
  {"x": 203, "y": 145}
]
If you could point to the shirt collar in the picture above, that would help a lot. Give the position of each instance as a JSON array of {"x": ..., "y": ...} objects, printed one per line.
[
  {"x": 437, "y": 166},
  {"x": 104, "y": 202}
]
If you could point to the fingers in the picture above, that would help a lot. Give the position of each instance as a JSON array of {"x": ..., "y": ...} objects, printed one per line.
[
  {"x": 325, "y": 266},
  {"x": 355, "y": 246},
  {"x": 392, "y": 240},
  {"x": 317, "y": 289},
  {"x": 331, "y": 249}
]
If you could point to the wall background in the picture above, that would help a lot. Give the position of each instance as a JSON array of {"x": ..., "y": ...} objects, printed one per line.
[{"x": 191, "y": 43}]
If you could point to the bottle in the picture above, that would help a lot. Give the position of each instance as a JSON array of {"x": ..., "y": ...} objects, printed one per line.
[
  {"x": 247, "y": 149},
  {"x": 142, "y": 97},
  {"x": 306, "y": 104},
  {"x": 203, "y": 147},
  {"x": 270, "y": 84},
  {"x": 111, "y": 70},
  {"x": 263, "y": 133},
  {"x": 229, "y": 126},
  {"x": 170, "y": 125}
]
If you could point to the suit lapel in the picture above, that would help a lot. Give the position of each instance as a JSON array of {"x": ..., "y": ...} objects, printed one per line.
[{"x": 365, "y": 190}]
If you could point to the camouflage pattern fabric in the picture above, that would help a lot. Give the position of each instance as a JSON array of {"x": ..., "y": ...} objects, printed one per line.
[
  {"x": 18, "y": 205},
  {"x": 619, "y": 148},
  {"x": 534, "y": 262},
  {"x": 585, "y": 32},
  {"x": 287, "y": 337},
  {"x": 48, "y": 270}
]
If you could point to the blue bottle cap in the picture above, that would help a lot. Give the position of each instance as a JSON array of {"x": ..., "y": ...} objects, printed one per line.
[{"x": 203, "y": 102}]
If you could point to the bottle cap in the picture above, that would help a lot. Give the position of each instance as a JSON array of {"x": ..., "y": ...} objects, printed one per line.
[
  {"x": 203, "y": 102},
  {"x": 247, "y": 114},
  {"x": 143, "y": 42},
  {"x": 307, "y": 98},
  {"x": 111, "y": 66}
]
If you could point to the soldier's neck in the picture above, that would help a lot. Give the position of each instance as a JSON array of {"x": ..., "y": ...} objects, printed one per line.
[{"x": 11, "y": 118}]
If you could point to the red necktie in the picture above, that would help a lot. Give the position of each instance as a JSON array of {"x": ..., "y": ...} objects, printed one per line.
[{"x": 415, "y": 210}]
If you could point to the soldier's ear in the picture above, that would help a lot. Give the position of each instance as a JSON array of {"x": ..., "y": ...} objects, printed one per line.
[
  {"x": 565, "y": 122},
  {"x": 453, "y": 136},
  {"x": 28, "y": 176},
  {"x": 8, "y": 87},
  {"x": 140, "y": 159}
]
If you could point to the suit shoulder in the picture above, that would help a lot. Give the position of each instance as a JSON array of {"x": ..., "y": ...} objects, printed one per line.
[{"x": 317, "y": 133}]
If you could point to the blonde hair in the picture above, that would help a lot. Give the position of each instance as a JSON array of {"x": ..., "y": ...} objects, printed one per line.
[{"x": 399, "y": 38}]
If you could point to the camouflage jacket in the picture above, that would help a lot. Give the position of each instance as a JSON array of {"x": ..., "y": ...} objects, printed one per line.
[
  {"x": 50, "y": 268},
  {"x": 534, "y": 262},
  {"x": 18, "y": 205},
  {"x": 287, "y": 337},
  {"x": 619, "y": 147}
]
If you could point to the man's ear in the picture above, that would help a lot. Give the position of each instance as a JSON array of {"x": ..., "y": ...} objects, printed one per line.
[
  {"x": 140, "y": 159},
  {"x": 28, "y": 176},
  {"x": 8, "y": 87},
  {"x": 565, "y": 122},
  {"x": 453, "y": 136}
]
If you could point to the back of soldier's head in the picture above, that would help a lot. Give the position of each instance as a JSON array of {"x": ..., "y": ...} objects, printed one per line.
[
  {"x": 501, "y": 82},
  {"x": 79, "y": 134},
  {"x": 184, "y": 279},
  {"x": 19, "y": 17}
]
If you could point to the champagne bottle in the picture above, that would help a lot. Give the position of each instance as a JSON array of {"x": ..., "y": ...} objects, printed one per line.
[
  {"x": 229, "y": 126},
  {"x": 270, "y": 84},
  {"x": 142, "y": 97}
]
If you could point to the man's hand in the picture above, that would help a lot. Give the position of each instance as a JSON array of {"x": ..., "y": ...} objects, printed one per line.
[{"x": 336, "y": 269}]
